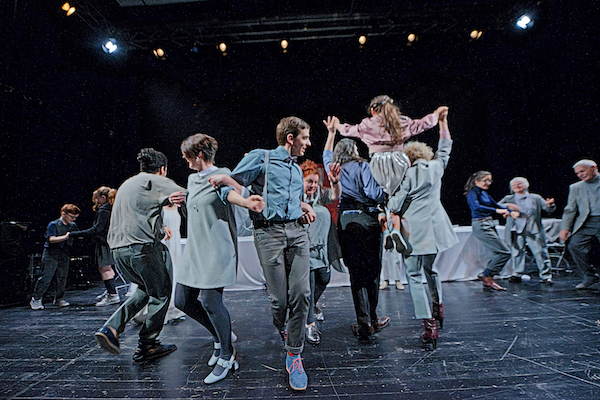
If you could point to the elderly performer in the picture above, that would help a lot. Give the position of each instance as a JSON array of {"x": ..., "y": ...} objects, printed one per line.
[
  {"x": 581, "y": 219},
  {"x": 429, "y": 226},
  {"x": 527, "y": 230}
]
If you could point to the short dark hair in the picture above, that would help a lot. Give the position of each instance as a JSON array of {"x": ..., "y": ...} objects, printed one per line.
[
  {"x": 193, "y": 145},
  {"x": 151, "y": 160},
  {"x": 289, "y": 125}
]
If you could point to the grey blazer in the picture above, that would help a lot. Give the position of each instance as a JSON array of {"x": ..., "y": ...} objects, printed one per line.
[
  {"x": 430, "y": 229},
  {"x": 539, "y": 204},
  {"x": 578, "y": 208}
]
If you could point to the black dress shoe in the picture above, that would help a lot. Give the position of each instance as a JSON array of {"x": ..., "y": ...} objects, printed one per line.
[
  {"x": 362, "y": 331},
  {"x": 107, "y": 340},
  {"x": 380, "y": 323},
  {"x": 514, "y": 279},
  {"x": 149, "y": 352}
]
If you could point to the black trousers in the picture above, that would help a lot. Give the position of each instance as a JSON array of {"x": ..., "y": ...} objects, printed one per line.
[{"x": 360, "y": 240}]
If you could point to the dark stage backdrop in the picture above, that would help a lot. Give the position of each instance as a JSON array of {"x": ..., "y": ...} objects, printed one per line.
[{"x": 72, "y": 120}]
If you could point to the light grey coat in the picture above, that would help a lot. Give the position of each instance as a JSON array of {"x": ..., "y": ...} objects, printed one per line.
[
  {"x": 430, "y": 228},
  {"x": 578, "y": 208},
  {"x": 538, "y": 204}
]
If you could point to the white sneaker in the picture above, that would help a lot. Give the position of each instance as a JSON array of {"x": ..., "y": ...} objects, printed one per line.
[
  {"x": 36, "y": 304},
  {"x": 103, "y": 295},
  {"x": 383, "y": 285},
  {"x": 62, "y": 303},
  {"x": 109, "y": 299}
]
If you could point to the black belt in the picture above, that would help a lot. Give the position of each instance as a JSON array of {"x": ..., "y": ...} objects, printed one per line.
[{"x": 267, "y": 223}]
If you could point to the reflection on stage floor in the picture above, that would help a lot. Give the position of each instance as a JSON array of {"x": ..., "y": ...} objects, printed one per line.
[{"x": 532, "y": 342}]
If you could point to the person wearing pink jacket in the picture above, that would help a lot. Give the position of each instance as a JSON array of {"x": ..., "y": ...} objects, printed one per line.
[{"x": 384, "y": 133}]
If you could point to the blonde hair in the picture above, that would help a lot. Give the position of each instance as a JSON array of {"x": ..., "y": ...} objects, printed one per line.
[
  {"x": 111, "y": 196},
  {"x": 101, "y": 191},
  {"x": 417, "y": 150}
]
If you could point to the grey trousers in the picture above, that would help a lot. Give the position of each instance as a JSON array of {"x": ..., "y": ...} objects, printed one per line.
[
  {"x": 149, "y": 266},
  {"x": 283, "y": 251},
  {"x": 581, "y": 243},
  {"x": 414, "y": 266},
  {"x": 519, "y": 250},
  {"x": 485, "y": 232}
]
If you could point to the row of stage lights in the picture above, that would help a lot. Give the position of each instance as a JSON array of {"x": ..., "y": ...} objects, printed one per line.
[
  {"x": 223, "y": 47},
  {"x": 110, "y": 45}
]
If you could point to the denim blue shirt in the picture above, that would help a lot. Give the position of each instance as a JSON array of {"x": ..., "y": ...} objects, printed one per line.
[
  {"x": 285, "y": 187},
  {"x": 481, "y": 203},
  {"x": 358, "y": 184}
]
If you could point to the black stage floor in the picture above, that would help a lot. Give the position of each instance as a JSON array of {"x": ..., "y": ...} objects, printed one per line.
[{"x": 532, "y": 342}]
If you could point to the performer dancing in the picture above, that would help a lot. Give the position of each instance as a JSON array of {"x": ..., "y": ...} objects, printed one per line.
[
  {"x": 134, "y": 238},
  {"x": 55, "y": 258},
  {"x": 482, "y": 207},
  {"x": 209, "y": 260},
  {"x": 318, "y": 234},
  {"x": 430, "y": 228},
  {"x": 280, "y": 237},
  {"x": 360, "y": 233},
  {"x": 581, "y": 219},
  {"x": 384, "y": 132},
  {"x": 527, "y": 230},
  {"x": 98, "y": 233}
]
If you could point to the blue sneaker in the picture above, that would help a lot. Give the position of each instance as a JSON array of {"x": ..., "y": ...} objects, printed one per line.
[
  {"x": 298, "y": 378},
  {"x": 107, "y": 340}
]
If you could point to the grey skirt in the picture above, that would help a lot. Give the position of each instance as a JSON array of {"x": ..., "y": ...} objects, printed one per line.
[
  {"x": 103, "y": 256},
  {"x": 388, "y": 169}
]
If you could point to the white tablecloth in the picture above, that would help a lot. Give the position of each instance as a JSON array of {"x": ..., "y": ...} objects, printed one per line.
[{"x": 460, "y": 263}]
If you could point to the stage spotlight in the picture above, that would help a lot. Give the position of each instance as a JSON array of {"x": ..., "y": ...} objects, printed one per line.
[
  {"x": 524, "y": 22},
  {"x": 475, "y": 34},
  {"x": 284, "y": 44},
  {"x": 411, "y": 39},
  {"x": 223, "y": 48},
  {"x": 362, "y": 39},
  {"x": 68, "y": 9},
  {"x": 159, "y": 53},
  {"x": 110, "y": 46}
]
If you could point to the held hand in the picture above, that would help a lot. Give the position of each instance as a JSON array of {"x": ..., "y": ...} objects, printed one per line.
[
  {"x": 168, "y": 233},
  {"x": 177, "y": 198},
  {"x": 309, "y": 214},
  {"x": 564, "y": 235},
  {"x": 550, "y": 202},
  {"x": 335, "y": 169},
  {"x": 513, "y": 207},
  {"x": 442, "y": 112},
  {"x": 219, "y": 180},
  {"x": 255, "y": 203},
  {"x": 515, "y": 214},
  {"x": 504, "y": 212},
  {"x": 331, "y": 123}
]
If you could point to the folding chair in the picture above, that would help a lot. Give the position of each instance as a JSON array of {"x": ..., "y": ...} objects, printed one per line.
[
  {"x": 557, "y": 252},
  {"x": 119, "y": 277}
]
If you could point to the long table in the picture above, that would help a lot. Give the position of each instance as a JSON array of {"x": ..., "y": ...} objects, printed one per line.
[{"x": 460, "y": 263}]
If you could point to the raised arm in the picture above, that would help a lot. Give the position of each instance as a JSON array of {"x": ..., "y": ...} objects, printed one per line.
[
  {"x": 331, "y": 123},
  {"x": 443, "y": 121}
]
